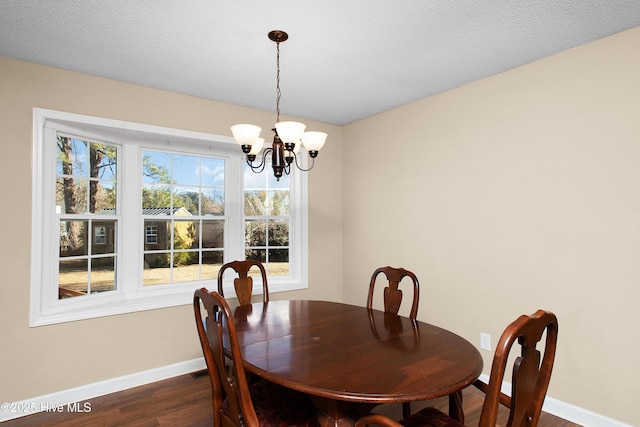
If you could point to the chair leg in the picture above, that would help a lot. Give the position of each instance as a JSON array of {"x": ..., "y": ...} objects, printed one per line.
[{"x": 406, "y": 409}]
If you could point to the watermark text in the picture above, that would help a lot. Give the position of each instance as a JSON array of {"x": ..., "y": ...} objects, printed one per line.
[{"x": 33, "y": 407}]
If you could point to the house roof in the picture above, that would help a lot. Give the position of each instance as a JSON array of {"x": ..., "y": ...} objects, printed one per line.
[{"x": 151, "y": 211}]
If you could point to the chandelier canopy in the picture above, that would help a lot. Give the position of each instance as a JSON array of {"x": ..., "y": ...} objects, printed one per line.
[{"x": 288, "y": 136}]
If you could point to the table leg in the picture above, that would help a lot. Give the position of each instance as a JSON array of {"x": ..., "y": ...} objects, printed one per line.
[
  {"x": 455, "y": 406},
  {"x": 338, "y": 413}
]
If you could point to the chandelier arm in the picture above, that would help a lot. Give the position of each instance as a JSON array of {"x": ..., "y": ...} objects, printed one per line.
[
  {"x": 259, "y": 168},
  {"x": 295, "y": 158}
]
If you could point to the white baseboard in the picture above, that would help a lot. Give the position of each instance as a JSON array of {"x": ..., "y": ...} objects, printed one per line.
[
  {"x": 76, "y": 396},
  {"x": 569, "y": 412},
  {"x": 73, "y": 399},
  {"x": 579, "y": 415}
]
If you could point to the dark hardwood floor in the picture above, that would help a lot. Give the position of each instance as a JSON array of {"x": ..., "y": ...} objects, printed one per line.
[{"x": 186, "y": 401}]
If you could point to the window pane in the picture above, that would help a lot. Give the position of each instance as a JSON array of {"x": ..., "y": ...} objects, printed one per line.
[
  {"x": 75, "y": 193},
  {"x": 156, "y": 167},
  {"x": 279, "y": 203},
  {"x": 213, "y": 201},
  {"x": 185, "y": 170},
  {"x": 185, "y": 235},
  {"x": 73, "y": 238},
  {"x": 211, "y": 263},
  {"x": 186, "y": 266},
  {"x": 103, "y": 276},
  {"x": 85, "y": 183},
  {"x": 73, "y": 278},
  {"x": 267, "y": 206},
  {"x": 278, "y": 232},
  {"x": 187, "y": 198},
  {"x": 72, "y": 157},
  {"x": 183, "y": 188},
  {"x": 254, "y": 180},
  {"x": 157, "y": 235},
  {"x": 255, "y": 203},
  {"x": 101, "y": 199},
  {"x": 257, "y": 254},
  {"x": 106, "y": 194},
  {"x": 104, "y": 237},
  {"x": 212, "y": 234},
  {"x": 274, "y": 183},
  {"x": 102, "y": 162},
  {"x": 255, "y": 233},
  {"x": 212, "y": 172},
  {"x": 71, "y": 195},
  {"x": 156, "y": 269},
  {"x": 156, "y": 197},
  {"x": 278, "y": 264}
]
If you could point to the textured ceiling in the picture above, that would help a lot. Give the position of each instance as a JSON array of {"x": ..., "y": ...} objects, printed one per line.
[{"x": 344, "y": 60}]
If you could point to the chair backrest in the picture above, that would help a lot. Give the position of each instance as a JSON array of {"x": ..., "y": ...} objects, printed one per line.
[
  {"x": 530, "y": 375},
  {"x": 229, "y": 381},
  {"x": 243, "y": 284},
  {"x": 393, "y": 295}
]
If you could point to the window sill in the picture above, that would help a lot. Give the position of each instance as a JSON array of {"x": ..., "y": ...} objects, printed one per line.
[{"x": 145, "y": 299}]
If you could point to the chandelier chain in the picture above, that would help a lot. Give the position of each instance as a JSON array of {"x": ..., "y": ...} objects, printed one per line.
[{"x": 278, "y": 93}]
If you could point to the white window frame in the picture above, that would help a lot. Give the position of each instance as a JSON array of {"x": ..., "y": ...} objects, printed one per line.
[{"x": 131, "y": 296}]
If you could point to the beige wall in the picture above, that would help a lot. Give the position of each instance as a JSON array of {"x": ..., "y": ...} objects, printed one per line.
[
  {"x": 506, "y": 195},
  {"x": 513, "y": 193},
  {"x": 38, "y": 361}
]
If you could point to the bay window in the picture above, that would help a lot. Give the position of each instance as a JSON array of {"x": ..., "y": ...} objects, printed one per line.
[{"x": 128, "y": 217}]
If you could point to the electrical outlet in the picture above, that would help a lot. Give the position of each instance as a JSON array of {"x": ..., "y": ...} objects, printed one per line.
[{"x": 485, "y": 341}]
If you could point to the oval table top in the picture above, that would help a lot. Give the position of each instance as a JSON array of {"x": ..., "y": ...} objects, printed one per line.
[{"x": 349, "y": 353}]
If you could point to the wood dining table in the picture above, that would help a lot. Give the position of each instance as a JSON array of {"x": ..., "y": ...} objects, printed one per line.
[{"x": 349, "y": 359}]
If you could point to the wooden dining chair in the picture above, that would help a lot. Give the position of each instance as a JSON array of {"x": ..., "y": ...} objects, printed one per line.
[
  {"x": 393, "y": 298},
  {"x": 529, "y": 379},
  {"x": 235, "y": 402},
  {"x": 243, "y": 284},
  {"x": 393, "y": 295}
]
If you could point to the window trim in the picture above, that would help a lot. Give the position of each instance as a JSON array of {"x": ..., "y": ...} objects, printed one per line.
[{"x": 45, "y": 310}]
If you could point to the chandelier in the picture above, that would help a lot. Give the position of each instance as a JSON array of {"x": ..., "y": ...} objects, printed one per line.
[{"x": 288, "y": 136}]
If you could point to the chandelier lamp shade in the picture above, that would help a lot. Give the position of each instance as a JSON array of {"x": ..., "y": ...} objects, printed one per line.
[{"x": 288, "y": 136}]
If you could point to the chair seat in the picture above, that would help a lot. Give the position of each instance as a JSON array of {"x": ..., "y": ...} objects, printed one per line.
[
  {"x": 277, "y": 406},
  {"x": 430, "y": 417}
]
